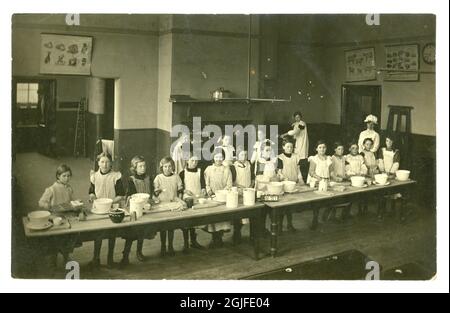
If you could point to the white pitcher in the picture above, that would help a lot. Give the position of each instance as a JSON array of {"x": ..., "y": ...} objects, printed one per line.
[
  {"x": 232, "y": 199},
  {"x": 249, "y": 196},
  {"x": 137, "y": 205}
]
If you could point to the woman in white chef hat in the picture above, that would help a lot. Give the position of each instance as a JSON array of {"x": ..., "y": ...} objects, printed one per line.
[{"x": 371, "y": 121}]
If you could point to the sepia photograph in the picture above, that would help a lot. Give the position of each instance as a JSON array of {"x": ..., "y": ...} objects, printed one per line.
[{"x": 249, "y": 147}]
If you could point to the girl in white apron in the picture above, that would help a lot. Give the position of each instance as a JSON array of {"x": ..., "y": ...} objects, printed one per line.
[
  {"x": 389, "y": 158},
  {"x": 320, "y": 164},
  {"x": 369, "y": 157},
  {"x": 338, "y": 175},
  {"x": 300, "y": 134},
  {"x": 243, "y": 171},
  {"x": 168, "y": 188},
  {"x": 257, "y": 149},
  {"x": 218, "y": 177},
  {"x": 179, "y": 154},
  {"x": 194, "y": 186},
  {"x": 289, "y": 170},
  {"x": 55, "y": 198},
  {"x": 105, "y": 183},
  {"x": 354, "y": 162},
  {"x": 244, "y": 179},
  {"x": 138, "y": 182},
  {"x": 267, "y": 163},
  {"x": 389, "y": 163},
  {"x": 230, "y": 152}
]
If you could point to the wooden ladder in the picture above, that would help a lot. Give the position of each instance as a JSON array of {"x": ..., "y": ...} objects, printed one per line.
[{"x": 79, "y": 147}]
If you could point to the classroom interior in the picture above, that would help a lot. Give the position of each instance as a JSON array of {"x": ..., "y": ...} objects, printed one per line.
[{"x": 150, "y": 72}]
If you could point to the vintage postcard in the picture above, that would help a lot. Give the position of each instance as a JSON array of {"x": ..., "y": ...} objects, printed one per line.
[{"x": 247, "y": 147}]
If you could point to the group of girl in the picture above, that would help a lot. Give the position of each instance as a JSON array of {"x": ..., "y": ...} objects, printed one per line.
[{"x": 182, "y": 178}]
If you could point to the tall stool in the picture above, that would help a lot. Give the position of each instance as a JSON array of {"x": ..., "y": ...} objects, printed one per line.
[{"x": 403, "y": 136}]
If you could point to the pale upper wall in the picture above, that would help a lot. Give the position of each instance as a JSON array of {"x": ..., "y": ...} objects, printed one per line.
[
  {"x": 211, "y": 51},
  {"x": 237, "y": 23},
  {"x": 300, "y": 76},
  {"x": 421, "y": 95},
  {"x": 320, "y": 53},
  {"x": 126, "y": 55}
]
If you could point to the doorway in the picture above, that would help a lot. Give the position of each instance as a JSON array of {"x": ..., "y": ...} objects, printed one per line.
[
  {"x": 33, "y": 115},
  {"x": 108, "y": 117},
  {"x": 357, "y": 102}
]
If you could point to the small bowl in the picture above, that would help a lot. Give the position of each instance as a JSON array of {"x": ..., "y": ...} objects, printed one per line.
[
  {"x": 358, "y": 181},
  {"x": 402, "y": 175},
  {"x": 143, "y": 196},
  {"x": 381, "y": 179},
  {"x": 39, "y": 217},
  {"x": 289, "y": 186},
  {"x": 117, "y": 215},
  {"x": 201, "y": 200},
  {"x": 275, "y": 188}
]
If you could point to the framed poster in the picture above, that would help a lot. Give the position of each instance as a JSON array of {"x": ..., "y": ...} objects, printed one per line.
[
  {"x": 402, "y": 63},
  {"x": 360, "y": 65},
  {"x": 65, "y": 54}
]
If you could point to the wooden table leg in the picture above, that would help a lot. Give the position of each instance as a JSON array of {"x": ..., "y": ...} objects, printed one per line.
[
  {"x": 274, "y": 218},
  {"x": 315, "y": 221},
  {"x": 403, "y": 203},
  {"x": 256, "y": 231}
]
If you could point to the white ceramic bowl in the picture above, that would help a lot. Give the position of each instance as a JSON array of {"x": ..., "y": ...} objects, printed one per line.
[
  {"x": 402, "y": 175},
  {"x": 275, "y": 188},
  {"x": 143, "y": 196},
  {"x": 358, "y": 181},
  {"x": 102, "y": 205},
  {"x": 289, "y": 186},
  {"x": 381, "y": 179},
  {"x": 202, "y": 200},
  {"x": 39, "y": 218}
]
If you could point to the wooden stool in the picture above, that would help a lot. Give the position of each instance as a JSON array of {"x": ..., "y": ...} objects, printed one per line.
[{"x": 403, "y": 135}]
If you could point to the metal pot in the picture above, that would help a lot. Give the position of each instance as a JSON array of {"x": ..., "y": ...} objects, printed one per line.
[{"x": 220, "y": 94}]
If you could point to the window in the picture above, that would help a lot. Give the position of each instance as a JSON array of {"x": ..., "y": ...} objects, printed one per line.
[{"x": 27, "y": 95}]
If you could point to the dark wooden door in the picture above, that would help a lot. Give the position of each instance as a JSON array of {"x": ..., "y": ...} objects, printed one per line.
[
  {"x": 108, "y": 117},
  {"x": 358, "y": 101},
  {"x": 33, "y": 115}
]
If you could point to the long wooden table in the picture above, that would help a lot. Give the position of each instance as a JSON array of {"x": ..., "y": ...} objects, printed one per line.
[
  {"x": 314, "y": 201},
  {"x": 102, "y": 227}
]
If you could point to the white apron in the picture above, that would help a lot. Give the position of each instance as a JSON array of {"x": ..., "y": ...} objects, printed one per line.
[
  {"x": 243, "y": 174},
  {"x": 355, "y": 165},
  {"x": 322, "y": 167},
  {"x": 301, "y": 140},
  {"x": 218, "y": 178},
  {"x": 192, "y": 182},
  {"x": 387, "y": 163},
  {"x": 169, "y": 186},
  {"x": 105, "y": 184},
  {"x": 338, "y": 166}
]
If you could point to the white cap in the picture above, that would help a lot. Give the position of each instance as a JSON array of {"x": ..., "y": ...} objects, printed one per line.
[{"x": 371, "y": 118}]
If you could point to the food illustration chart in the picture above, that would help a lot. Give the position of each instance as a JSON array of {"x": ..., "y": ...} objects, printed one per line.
[
  {"x": 404, "y": 58},
  {"x": 62, "y": 54}
]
